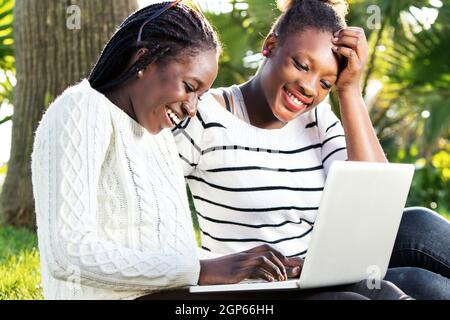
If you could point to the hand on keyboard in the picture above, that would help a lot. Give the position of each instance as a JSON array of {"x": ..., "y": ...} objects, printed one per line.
[{"x": 262, "y": 262}]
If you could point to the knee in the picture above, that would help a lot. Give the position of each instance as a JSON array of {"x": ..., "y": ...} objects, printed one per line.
[
  {"x": 419, "y": 211},
  {"x": 415, "y": 217},
  {"x": 388, "y": 286},
  {"x": 420, "y": 283},
  {"x": 402, "y": 275},
  {"x": 390, "y": 291}
]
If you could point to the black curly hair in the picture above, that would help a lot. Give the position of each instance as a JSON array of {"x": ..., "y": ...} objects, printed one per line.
[
  {"x": 297, "y": 15},
  {"x": 178, "y": 31}
]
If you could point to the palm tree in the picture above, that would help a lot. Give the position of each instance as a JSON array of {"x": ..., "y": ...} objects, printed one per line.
[
  {"x": 242, "y": 31},
  {"x": 414, "y": 67}
]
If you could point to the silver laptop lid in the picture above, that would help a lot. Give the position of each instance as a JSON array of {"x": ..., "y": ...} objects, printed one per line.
[{"x": 357, "y": 222}]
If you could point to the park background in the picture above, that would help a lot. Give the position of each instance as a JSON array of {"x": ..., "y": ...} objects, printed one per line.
[{"x": 44, "y": 48}]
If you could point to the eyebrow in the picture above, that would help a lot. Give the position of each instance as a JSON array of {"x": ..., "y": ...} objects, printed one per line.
[{"x": 314, "y": 61}]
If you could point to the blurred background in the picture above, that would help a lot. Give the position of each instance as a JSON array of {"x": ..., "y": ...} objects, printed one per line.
[{"x": 47, "y": 45}]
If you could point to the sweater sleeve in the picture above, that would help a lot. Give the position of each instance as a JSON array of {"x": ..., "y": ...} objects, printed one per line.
[
  {"x": 331, "y": 134},
  {"x": 205, "y": 254},
  {"x": 70, "y": 146}
]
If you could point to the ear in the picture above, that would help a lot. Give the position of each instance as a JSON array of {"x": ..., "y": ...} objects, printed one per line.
[
  {"x": 137, "y": 55},
  {"x": 270, "y": 44}
]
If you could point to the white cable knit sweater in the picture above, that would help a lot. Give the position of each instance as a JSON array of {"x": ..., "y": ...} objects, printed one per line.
[{"x": 112, "y": 212}]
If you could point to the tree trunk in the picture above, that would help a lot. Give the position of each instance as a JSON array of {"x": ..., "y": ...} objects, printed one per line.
[{"x": 56, "y": 44}]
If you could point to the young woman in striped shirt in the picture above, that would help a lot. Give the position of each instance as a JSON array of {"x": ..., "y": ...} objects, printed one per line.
[{"x": 257, "y": 155}]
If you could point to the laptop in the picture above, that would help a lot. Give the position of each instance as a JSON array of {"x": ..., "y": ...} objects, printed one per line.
[{"x": 354, "y": 232}]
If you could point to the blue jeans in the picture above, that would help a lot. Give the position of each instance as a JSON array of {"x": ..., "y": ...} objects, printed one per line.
[{"x": 420, "y": 261}]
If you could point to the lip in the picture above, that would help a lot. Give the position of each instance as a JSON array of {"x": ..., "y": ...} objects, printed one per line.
[
  {"x": 299, "y": 96},
  {"x": 291, "y": 106}
]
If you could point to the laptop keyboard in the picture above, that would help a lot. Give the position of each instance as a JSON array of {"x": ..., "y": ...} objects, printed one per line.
[
  {"x": 249, "y": 281},
  {"x": 253, "y": 281}
]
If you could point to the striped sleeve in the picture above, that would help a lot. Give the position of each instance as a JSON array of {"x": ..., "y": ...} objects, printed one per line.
[
  {"x": 331, "y": 136},
  {"x": 188, "y": 136}
]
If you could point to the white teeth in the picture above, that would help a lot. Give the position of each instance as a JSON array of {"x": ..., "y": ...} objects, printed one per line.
[
  {"x": 173, "y": 116},
  {"x": 294, "y": 99}
]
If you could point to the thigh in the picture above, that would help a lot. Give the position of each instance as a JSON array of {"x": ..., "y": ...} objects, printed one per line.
[
  {"x": 420, "y": 283},
  {"x": 316, "y": 294},
  {"x": 385, "y": 291},
  {"x": 423, "y": 241}
]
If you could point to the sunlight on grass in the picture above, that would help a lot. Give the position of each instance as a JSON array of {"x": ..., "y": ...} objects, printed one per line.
[{"x": 20, "y": 276}]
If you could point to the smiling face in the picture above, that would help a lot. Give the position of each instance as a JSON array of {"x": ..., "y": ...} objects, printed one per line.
[
  {"x": 168, "y": 92},
  {"x": 299, "y": 72}
]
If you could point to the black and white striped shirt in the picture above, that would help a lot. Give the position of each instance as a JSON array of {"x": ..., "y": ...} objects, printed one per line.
[{"x": 251, "y": 185}]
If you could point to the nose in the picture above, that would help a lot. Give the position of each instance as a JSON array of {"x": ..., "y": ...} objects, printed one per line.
[
  {"x": 308, "y": 88},
  {"x": 190, "y": 107}
]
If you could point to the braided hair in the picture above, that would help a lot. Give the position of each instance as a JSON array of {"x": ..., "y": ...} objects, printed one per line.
[
  {"x": 297, "y": 15},
  {"x": 179, "y": 30}
]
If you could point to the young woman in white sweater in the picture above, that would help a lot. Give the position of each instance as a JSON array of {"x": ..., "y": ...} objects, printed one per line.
[{"x": 112, "y": 212}]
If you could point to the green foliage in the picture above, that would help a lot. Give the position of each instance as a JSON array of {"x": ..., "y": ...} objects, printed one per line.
[
  {"x": 242, "y": 32},
  {"x": 412, "y": 111},
  {"x": 20, "y": 276},
  {"x": 6, "y": 34},
  {"x": 194, "y": 216},
  {"x": 418, "y": 70},
  {"x": 3, "y": 170},
  {"x": 6, "y": 53},
  {"x": 431, "y": 180}
]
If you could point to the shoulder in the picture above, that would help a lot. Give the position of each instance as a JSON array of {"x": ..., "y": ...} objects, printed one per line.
[
  {"x": 217, "y": 94},
  {"x": 80, "y": 99},
  {"x": 77, "y": 106},
  {"x": 327, "y": 121},
  {"x": 324, "y": 114},
  {"x": 324, "y": 108},
  {"x": 224, "y": 96},
  {"x": 211, "y": 113},
  {"x": 212, "y": 105},
  {"x": 69, "y": 100}
]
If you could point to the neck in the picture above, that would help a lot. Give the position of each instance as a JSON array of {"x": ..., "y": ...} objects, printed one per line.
[
  {"x": 122, "y": 100},
  {"x": 258, "y": 109}
]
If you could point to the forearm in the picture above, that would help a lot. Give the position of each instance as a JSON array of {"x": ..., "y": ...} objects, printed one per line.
[
  {"x": 100, "y": 263},
  {"x": 362, "y": 142}
]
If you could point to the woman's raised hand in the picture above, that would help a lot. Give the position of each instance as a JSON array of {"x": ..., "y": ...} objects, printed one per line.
[
  {"x": 262, "y": 262},
  {"x": 351, "y": 43}
]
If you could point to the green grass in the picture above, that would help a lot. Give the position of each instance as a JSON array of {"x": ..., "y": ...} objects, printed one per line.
[{"x": 20, "y": 276}]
